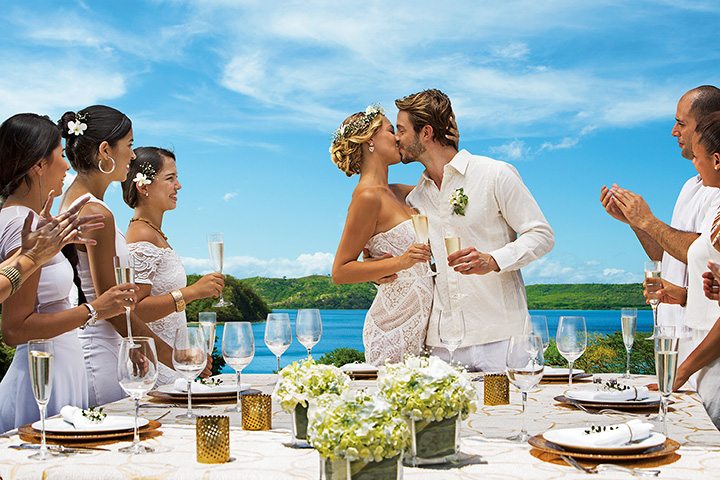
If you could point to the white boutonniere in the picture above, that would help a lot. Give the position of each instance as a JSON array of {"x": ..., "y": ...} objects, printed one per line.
[
  {"x": 458, "y": 201},
  {"x": 76, "y": 128}
]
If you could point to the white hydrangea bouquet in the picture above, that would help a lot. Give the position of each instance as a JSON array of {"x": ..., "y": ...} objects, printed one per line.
[
  {"x": 358, "y": 434},
  {"x": 434, "y": 397},
  {"x": 300, "y": 382}
]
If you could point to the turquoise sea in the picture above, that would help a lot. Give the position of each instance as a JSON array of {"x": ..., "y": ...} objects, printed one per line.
[{"x": 343, "y": 328}]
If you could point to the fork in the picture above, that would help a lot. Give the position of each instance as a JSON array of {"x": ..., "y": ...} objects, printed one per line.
[{"x": 610, "y": 467}]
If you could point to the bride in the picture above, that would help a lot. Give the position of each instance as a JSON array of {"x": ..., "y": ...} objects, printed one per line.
[{"x": 378, "y": 219}]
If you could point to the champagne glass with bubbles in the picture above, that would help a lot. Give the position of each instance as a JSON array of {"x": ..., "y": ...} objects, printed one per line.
[
  {"x": 422, "y": 234},
  {"x": 628, "y": 319},
  {"x": 308, "y": 328},
  {"x": 653, "y": 283},
  {"x": 525, "y": 367},
  {"x": 238, "y": 349},
  {"x": 278, "y": 334},
  {"x": 537, "y": 325},
  {"x": 189, "y": 358},
  {"x": 666, "y": 362},
  {"x": 125, "y": 273},
  {"x": 208, "y": 323},
  {"x": 571, "y": 340},
  {"x": 40, "y": 363},
  {"x": 216, "y": 245},
  {"x": 451, "y": 330}
]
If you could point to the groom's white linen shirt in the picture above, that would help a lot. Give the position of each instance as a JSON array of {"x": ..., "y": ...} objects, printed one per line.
[{"x": 502, "y": 219}]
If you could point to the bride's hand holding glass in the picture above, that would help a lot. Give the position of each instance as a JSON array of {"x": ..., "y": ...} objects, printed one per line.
[{"x": 416, "y": 253}]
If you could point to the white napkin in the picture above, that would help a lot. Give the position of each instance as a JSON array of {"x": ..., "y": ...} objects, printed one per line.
[
  {"x": 632, "y": 393},
  {"x": 74, "y": 416},
  {"x": 634, "y": 430},
  {"x": 181, "y": 386}
]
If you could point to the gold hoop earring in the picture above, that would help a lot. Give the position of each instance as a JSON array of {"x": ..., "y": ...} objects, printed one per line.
[{"x": 107, "y": 172}]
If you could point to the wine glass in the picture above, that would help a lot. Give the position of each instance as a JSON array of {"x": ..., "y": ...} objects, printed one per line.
[
  {"x": 125, "y": 273},
  {"x": 278, "y": 334},
  {"x": 571, "y": 340},
  {"x": 628, "y": 319},
  {"x": 137, "y": 373},
  {"x": 422, "y": 235},
  {"x": 308, "y": 328},
  {"x": 208, "y": 322},
  {"x": 189, "y": 358},
  {"x": 238, "y": 349},
  {"x": 525, "y": 366},
  {"x": 537, "y": 325},
  {"x": 216, "y": 246},
  {"x": 451, "y": 330},
  {"x": 653, "y": 283},
  {"x": 666, "y": 359},
  {"x": 40, "y": 363}
]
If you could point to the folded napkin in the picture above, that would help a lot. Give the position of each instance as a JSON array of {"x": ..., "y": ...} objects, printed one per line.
[
  {"x": 629, "y": 394},
  {"x": 620, "y": 434},
  {"x": 181, "y": 386},
  {"x": 74, "y": 416}
]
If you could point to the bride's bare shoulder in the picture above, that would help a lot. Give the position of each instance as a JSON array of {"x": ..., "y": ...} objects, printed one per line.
[{"x": 401, "y": 190}]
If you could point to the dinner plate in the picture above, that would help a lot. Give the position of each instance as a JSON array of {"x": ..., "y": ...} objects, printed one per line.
[
  {"x": 215, "y": 391},
  {"x": 111, "y": 423},
  {"x": 576, "y": 439},
  {"x": 586, "y": 396},
  {"x": 540, "y": 443},
  {"x": 560, "y": 372},
  {"x": 29, "y": 434}
]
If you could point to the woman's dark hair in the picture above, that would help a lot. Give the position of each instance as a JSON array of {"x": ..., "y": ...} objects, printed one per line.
[
  {"x": 148, "y": 161},
  {"x": 709, "y": 130},
  {"x": 25, "y": 139},
  {"x": 104, "y": 124}
]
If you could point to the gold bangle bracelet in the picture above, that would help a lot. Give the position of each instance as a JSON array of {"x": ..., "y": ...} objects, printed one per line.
[
  {"x": 12, "y": 274},
  {"x": 179, "y": 300}
]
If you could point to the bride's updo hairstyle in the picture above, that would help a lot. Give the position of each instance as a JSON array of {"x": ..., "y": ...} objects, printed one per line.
[
  {"x": 86, "y": 129},
  {"x": 148, "y": 164},
  {"x": 358, "y": 128}
]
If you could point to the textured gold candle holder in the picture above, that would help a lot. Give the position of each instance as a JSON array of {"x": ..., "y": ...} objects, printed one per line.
[
  {"x": 497, "y": 389},
  {"x": 212, "y": 434},
  {"x": 257, "y": 412}
]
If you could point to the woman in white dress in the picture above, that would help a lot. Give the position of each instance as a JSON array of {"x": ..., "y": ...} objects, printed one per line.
[
  {"x": 98, "y": 144},
  {"x": 379, "y": 220},
  {"x": 32, "y": 168},
  {"x": 151, "y": 190}
]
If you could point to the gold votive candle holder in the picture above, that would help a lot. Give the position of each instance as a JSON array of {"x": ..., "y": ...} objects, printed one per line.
[
  {"x": 256, "y": 411},
  {"x": 497, "y": 389},
  {"x": 212, "y": 435}
]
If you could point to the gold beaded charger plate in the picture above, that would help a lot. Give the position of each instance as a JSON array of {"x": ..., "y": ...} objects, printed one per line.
[
  {"x": 577, "y": 377},
  {"x": 214, "y": 391},
  {"x": 181, "y": 398},
  {"x": 89, "y": 439},
  {"x": 667, "y": 448},
  {"x": 614, "y": 405}
]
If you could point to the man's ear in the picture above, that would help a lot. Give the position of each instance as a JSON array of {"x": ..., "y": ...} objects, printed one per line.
[{"x": 426, "y": 133}]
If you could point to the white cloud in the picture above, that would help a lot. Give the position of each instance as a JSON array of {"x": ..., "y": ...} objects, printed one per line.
[
  {"x": 319, "y": 263},
  {"x": 550, "y": 270},
  {"x": 513, "y": 51},
  {"x": 229, "y": 196},
  {"x": 513, "y": 151}
]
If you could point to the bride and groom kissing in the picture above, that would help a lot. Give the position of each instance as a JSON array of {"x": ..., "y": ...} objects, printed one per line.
[{"x": 480, "y": 200}]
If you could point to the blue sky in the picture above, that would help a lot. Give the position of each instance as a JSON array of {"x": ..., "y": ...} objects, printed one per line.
[{"x": 247, "y": 93}]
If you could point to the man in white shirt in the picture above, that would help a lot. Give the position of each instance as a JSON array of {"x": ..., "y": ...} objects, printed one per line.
[{"x": 501, "y": 229}]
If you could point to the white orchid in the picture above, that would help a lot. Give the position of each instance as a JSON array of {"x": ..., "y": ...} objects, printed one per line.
[
  {"x": 141, "y": 179},
  {"x": 76, "y": 128}
]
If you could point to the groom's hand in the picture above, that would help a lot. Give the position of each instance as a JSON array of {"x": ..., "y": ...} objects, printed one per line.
[
  {"x": 469, "y": 261},
  {"x": 367, "y": 258}
]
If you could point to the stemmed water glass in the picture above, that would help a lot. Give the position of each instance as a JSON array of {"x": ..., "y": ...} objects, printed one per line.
[
  {"x": 525, "y": 366},
  {"x": 40, "y": 363},
  {"x": 422, "y": 235},
  {"x": 308, "y": 328},
  {"x": 137, "y": 373},
  {"x": 628, "y": 319},
  {"x": 125, "y": 273},
  {"x": 278, "y": 334},
  {"x": 653, "y": 283},
  {"x": 571, "y": 340},
  {"x": 238, "y": 349},
  {"x": 537, "y": 325},
  {"x": 451, "y": 330},
  {"x": 216, "y": 246},
  {"x": 666, "y": 361},
  {"x": 189, "y": 358},
  {"x": 208, "y": 323}
]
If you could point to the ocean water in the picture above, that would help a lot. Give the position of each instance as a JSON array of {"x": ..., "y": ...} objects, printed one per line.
[{"x": 343, "y": 328}]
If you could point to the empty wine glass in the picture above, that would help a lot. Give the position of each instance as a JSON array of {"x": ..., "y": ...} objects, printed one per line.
[
  {"x": 451, "y": 330},
  {"x": 571, "y": 340},
  {"x": 278, "y": 334},
  {"x": 125, "y": 273},
  {"x": 308, "y": 328},
  {"x": 666, "y": 362},
  {"x": 216, "y": 246},
  {"x": 422, "y": 235},
  {"x": 537, "y": 325},
  {"x": 238, "y": 349},
  {"x": 208, "y": 323},
  {"x": 41, "y": 357},
  {"x": 628, "y": 319},
  {"x": 137, "y": 373},
  {"x": 189, "y": 358},
  {"x": 525, "y": 366},
  {"x": 653, "y": 283}
]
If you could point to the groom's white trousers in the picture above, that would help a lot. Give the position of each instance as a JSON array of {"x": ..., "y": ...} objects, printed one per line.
[{"x": 489, "y": 357}]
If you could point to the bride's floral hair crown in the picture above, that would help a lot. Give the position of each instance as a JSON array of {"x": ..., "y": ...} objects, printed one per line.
[{"x": 359, "y": 124}]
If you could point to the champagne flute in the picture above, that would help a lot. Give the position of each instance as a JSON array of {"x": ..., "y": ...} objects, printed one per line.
[
  {"x": 208, "y": 323},
  {"x": 189, "y": 359},
  {"x": 238, "y": 349},
  {"x": 137, "y": 373},
  {"x": 451, "y": 330},
  {"x": 571, "y": 340},
  {"x": 452, "y": 245},
  {"x": 537, "y": 325},
  {"x": 422, "y": 235},
  {"x": 278, "y": 334},
  {"x": 653, "y": 283},
  {"x": 628, "y": 319},
  {"x": 125, "y": 273},
  {"x": 666, "y": 362},
  {"x": 40, "y": 363},
  {"x": 308, "y": 328},
  {"x": 216, "y": 245},
  {"x": 525, "y": 366}
]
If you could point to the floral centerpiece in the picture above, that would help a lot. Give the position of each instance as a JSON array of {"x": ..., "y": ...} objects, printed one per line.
[
  {"x": 433, "y": 396},
  {"x": 302, "y": 381},
  {"x": 358, "y": 436}
]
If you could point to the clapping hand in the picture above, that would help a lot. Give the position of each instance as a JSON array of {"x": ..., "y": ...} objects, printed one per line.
[
  {"x": 469, "y": 261},
  {"x": 454, "y": 135},
  {"x": 608, "y": 202},
  {"x": 632, "y": 206}
]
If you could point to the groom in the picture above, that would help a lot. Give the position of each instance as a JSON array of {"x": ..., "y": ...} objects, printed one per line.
[{"x": 501, "y": 228}]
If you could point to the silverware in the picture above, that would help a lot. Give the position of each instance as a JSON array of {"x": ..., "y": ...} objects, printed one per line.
[
  {"x": 59, "y": 448},
  {"x": 603, "y": 467},
  {"x": 161, "y": 416}
]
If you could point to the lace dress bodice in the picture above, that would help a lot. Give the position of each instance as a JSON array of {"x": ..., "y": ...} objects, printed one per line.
[
  {"x": 163, "y": 269},
  {"x": 396, "y": 323}
]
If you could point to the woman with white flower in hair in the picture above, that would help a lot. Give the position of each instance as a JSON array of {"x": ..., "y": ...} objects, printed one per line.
[
  {"x": 379, "y": 220},
  {"x": 151, "y": 189}
]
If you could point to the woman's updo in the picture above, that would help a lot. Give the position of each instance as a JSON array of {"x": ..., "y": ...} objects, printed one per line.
[
  {"x": 149, "y": 161},
  {"x": 102, "y": 124},
  {"x": 346, "y": 148},
  {"x": 25, "y": 139}
]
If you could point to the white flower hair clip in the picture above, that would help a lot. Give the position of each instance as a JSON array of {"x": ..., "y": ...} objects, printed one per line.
[
  {"x": 141, "y": 179},
  {"x": 76, "y": 128}
]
